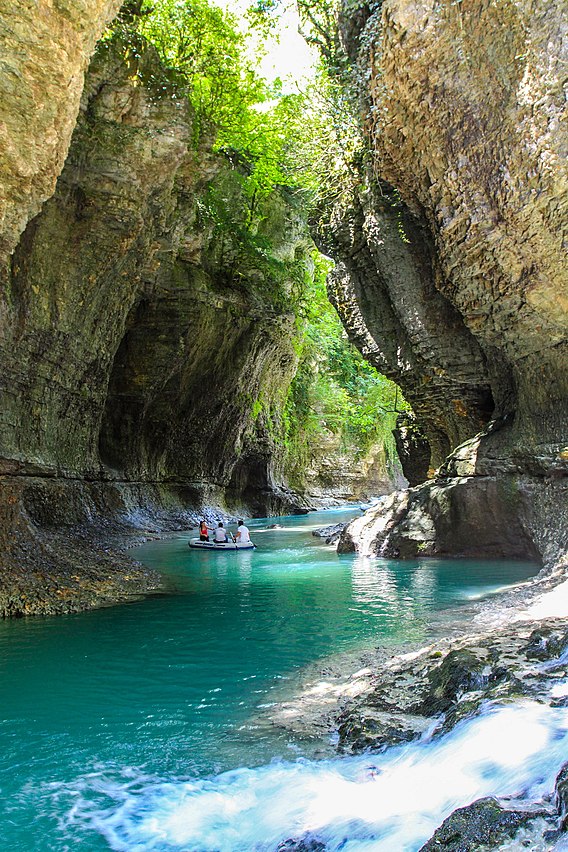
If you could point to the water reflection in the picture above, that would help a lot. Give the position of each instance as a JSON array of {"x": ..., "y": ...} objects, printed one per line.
[{"x": 397, "y": 591}]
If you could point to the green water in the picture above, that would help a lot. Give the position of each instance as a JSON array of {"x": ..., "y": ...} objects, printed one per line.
[{"x": 171, "y": 685}]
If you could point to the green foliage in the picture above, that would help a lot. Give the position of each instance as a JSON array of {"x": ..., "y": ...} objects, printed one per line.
[
  {"x": 244, "y": 250},
  {"x": 328, "y": 149},
  {"x": 319, "y": 27},
  {"x": 335, "y": 391},
  {"x": 265, "y": 140},
  {"x": 204, "y": 52},
  {"x": 310, "y": 143},
  {"x": 326, "y": 145}
]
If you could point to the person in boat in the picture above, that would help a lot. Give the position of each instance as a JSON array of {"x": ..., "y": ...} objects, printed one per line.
[
  {"x": 220, "y": 534},
  {"x": 243, "y": 534},
  {"x": 203, "y": 531}
]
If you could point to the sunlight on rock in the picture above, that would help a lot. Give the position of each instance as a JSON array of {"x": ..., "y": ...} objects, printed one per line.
[{"x": 552, "y": 604}]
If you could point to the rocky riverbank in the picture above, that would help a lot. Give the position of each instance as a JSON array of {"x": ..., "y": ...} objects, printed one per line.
[
  {"x": 78, "y": 537},
  {"x": 505, "y": 652}
]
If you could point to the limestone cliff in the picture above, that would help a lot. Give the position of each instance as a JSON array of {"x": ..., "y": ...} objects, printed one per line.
[
  {"x": 46, "y": 48},
  {"x": 464, "y": 118},
  {"x": 384, "y": 288},
  {"x": 343, "y": 473},
  {"x": 146, "y": 311}
]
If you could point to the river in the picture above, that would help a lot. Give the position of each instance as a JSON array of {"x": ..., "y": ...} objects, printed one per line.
[{"x": 137, "y": 727}]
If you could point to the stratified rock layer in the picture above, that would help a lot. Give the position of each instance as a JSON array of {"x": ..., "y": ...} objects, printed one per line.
[
  {"x": 384, "y": 289},
  {"x": 412, "y": 448},
  {"x": 145, "y": 315},
  {"x": 466, "y": 101},
  {"x": 46, "y": 48}
]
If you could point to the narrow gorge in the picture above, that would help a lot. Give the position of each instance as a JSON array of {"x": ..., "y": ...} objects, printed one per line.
[
  {"x": 138, "y": 337},
  {"x": 222, "y": 299},
  {"x": 148, "y": 329}
]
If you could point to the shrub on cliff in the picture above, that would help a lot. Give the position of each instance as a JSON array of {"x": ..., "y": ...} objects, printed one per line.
[{"x": 205, "y": 54}]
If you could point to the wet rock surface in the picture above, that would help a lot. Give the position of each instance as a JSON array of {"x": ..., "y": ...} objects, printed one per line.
[
  {"x": 448, "y": 685},
  {"x": 483, "y": 825},
  {"x": 425, "y": 693},
  {"x": 562, "y": 797},
  {"x": 63, "y": 545},
  {"x": 475, "y": 506},
  {"x": 330, "y": 533},
  {"x": 304, "y": 844}
]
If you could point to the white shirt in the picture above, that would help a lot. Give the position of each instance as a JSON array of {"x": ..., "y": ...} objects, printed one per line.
[
  {"x": 220, "y": 534},
  {"x": 243, "y": 533}
]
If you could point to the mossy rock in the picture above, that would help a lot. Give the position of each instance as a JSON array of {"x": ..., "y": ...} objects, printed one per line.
[
  {"x": 546, "y": 644},
  {"x": 482, "y": 825},
  {"x": 461, "y": 671},
  {"x": 374, "y": 731}
]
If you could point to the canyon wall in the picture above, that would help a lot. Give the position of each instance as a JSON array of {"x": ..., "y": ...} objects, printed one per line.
[
  {"x": 147, "y": 342},
  {"x": 469, "y": 308},
  {"x": 148, "y": 319},
  {"x": 146, "y": 311}
]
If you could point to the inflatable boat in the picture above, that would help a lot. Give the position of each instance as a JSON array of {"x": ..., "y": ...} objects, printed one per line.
[{"x": 221, "y": 545}]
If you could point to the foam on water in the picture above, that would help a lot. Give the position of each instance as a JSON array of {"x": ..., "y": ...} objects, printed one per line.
[{"x": 383, "y": 802}]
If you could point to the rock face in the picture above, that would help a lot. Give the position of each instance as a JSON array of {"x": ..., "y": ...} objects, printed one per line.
[
  {"x": 412, "y": 448},
  {"x": 476, "y": 506},
  {"x": 336, "y": 474},
  {"x": 464, "y": 122},
  {"x": 128, "y": 347},
  {"x": 139, "y": 332},
  {"x": 45, "y": 52},
  {"x": 384, "y": 289}
]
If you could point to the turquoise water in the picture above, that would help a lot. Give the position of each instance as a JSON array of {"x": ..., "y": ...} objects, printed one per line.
[{"x": 97, "y": 706}]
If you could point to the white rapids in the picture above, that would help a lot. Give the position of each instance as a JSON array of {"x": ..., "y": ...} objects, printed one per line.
[{"x": 387, "y": 802}]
